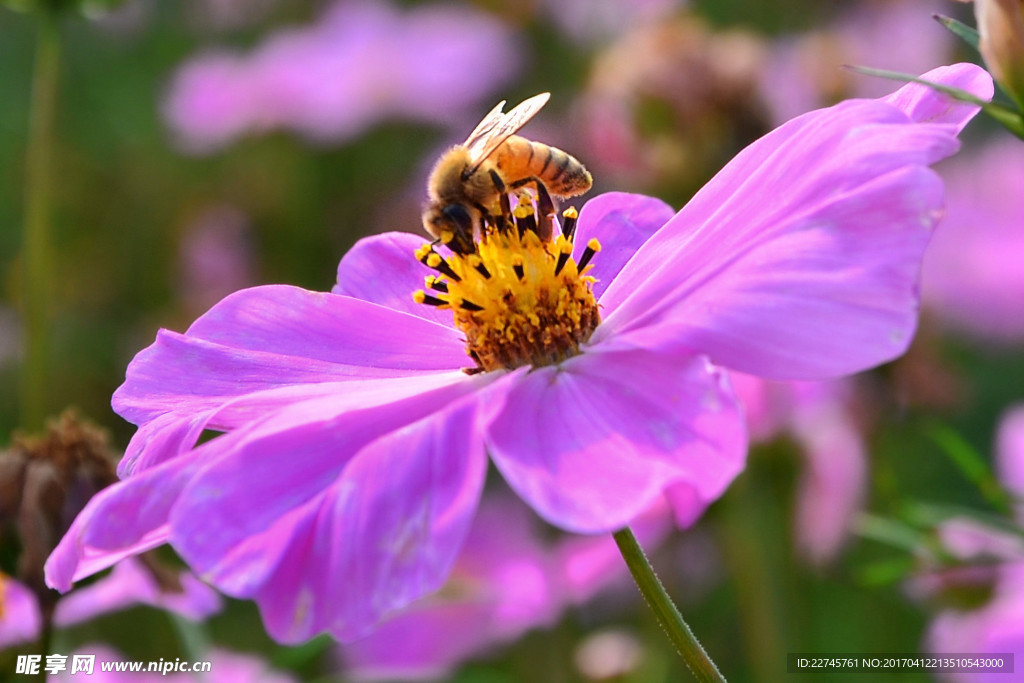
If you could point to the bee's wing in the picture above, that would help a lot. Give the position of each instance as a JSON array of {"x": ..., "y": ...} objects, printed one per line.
[{"x": 497, "y": 127}]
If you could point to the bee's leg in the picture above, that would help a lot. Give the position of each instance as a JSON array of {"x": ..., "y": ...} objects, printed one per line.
[
  {"x": 545, "y": 206},
  {"x": 499, "y": 184},
  {"x": 503, "y": 220}
]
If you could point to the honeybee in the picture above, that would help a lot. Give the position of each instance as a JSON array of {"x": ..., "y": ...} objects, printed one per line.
[{"x": 470, "y": 180}]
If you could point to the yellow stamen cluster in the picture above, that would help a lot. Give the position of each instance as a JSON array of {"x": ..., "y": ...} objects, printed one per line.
[{"x": 520, "y": 300}]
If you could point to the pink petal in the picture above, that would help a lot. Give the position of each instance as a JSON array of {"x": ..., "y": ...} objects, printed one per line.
[
  {"x": 834, "y": 480},
  {"x": 124, "y": 519},
  {"x": 500, "y": 587},
  {"x": 131, "y": 583},
  {"x": 133, "y": 515},
  {"x": 924, "y": 105},
  {"x": 20, "y": 621},
  {"x": 330, "y": 520},
  {"x": 261, "y": 339},
  {"x": 1010, "y": 452},
  {"x": 621, "y": 222},
  {"x": 591, "y": 443},
  {"x": 381, "y": 269},
  {"x": 800, "y": 259}
]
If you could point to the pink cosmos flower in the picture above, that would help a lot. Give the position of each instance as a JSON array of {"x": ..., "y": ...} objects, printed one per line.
[
  {"x": 129, "y": 584},
  {"x": 972, "y": 278},
  {"x": 356, "y": 446},
  {"x": 362, "y": 62}
]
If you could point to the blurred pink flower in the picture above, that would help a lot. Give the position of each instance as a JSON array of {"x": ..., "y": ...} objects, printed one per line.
[
  {"x": 586, "y": 21},
  {"x": 973, "y": 277},
  {"x": 227, "y": 15},
  {"x": 818, "y": 416},
  {"x": 998, "y": 626},
  {"x": 215, "y": 257},
  {"x": 129, "y": 584},
  {"x": 806, "y": 71},
  {"x": 363, "y": 62}
]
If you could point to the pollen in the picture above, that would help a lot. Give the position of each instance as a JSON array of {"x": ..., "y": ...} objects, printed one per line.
[{"x": 518, "y": 299}]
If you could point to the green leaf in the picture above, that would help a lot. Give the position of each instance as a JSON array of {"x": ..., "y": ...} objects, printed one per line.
[
  {"x": 971, "y": 465},
  {"x": 1011, "y": 119},
  {"x": 961, "y": 30},
  {"x": 884, "y": 572},
  {"x": 936, "y": 514},
  {"x": 890, "y": 532}
]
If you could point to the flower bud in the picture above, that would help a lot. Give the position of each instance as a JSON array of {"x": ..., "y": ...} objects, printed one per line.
[
  {"x": 44, "y": 482},
  {"x": 1001, "y": 30}
]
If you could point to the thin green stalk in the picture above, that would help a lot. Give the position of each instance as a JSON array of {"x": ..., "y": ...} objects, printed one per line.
[
  {"x": 668, "y": 615},
  {"x": 36, "y": 259}
]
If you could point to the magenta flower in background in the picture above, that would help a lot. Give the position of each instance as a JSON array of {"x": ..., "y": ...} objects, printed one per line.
[
  {"x": 805, "y": 71},
  {"x": 128, "y": 585},
  {"x": 356, "y": 446},
  {"x": 997, "y": 626},
  {"x": 215, "y": 257},
  {"x": 363, "y": 62},
  {"x": 834, "y": 480},
  {"x": 972, "y": 278}
]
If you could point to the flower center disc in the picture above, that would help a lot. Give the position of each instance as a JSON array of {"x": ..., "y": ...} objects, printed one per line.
[{"x": 519, "y": 299}]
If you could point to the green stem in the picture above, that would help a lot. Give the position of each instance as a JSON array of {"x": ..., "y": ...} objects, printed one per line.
[
  {"x": 665, "y": 610},
  {"x": 36, "y": 263}
]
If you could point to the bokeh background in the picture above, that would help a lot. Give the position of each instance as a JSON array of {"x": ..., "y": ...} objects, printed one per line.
[{"x": 208, "y": 145}]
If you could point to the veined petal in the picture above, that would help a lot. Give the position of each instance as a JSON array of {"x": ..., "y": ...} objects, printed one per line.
[
  {"x": 800, "y": 259},
  {"x": 382, "y": 269},
  {"x": 134, "y": 514},
  {"x": 124, "y": 519},
  {"x": 359, "y": 512},
  {"x": 277, "y": 335},
  {"x": 621, "y": 222},
  {"x": 924, "y": 105},
  {"x": 173, "y": 433},
  {"x": 132, "y": 583},
  {"x": 262, "y": 339},
  {"x": 594, "y": 441}
]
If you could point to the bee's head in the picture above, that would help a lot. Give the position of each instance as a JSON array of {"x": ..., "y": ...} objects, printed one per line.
[{"x": 453, "y": 224}]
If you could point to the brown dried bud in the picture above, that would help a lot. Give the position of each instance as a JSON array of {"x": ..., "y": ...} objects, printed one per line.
[
  {"x": 1001, "y": 29},
  {"x": 45, "y": 481}
]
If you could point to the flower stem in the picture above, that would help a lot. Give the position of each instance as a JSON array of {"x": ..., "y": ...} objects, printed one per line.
[
  {"x": 665, "y": 610},
  {"x": 36, "y": 259}
]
